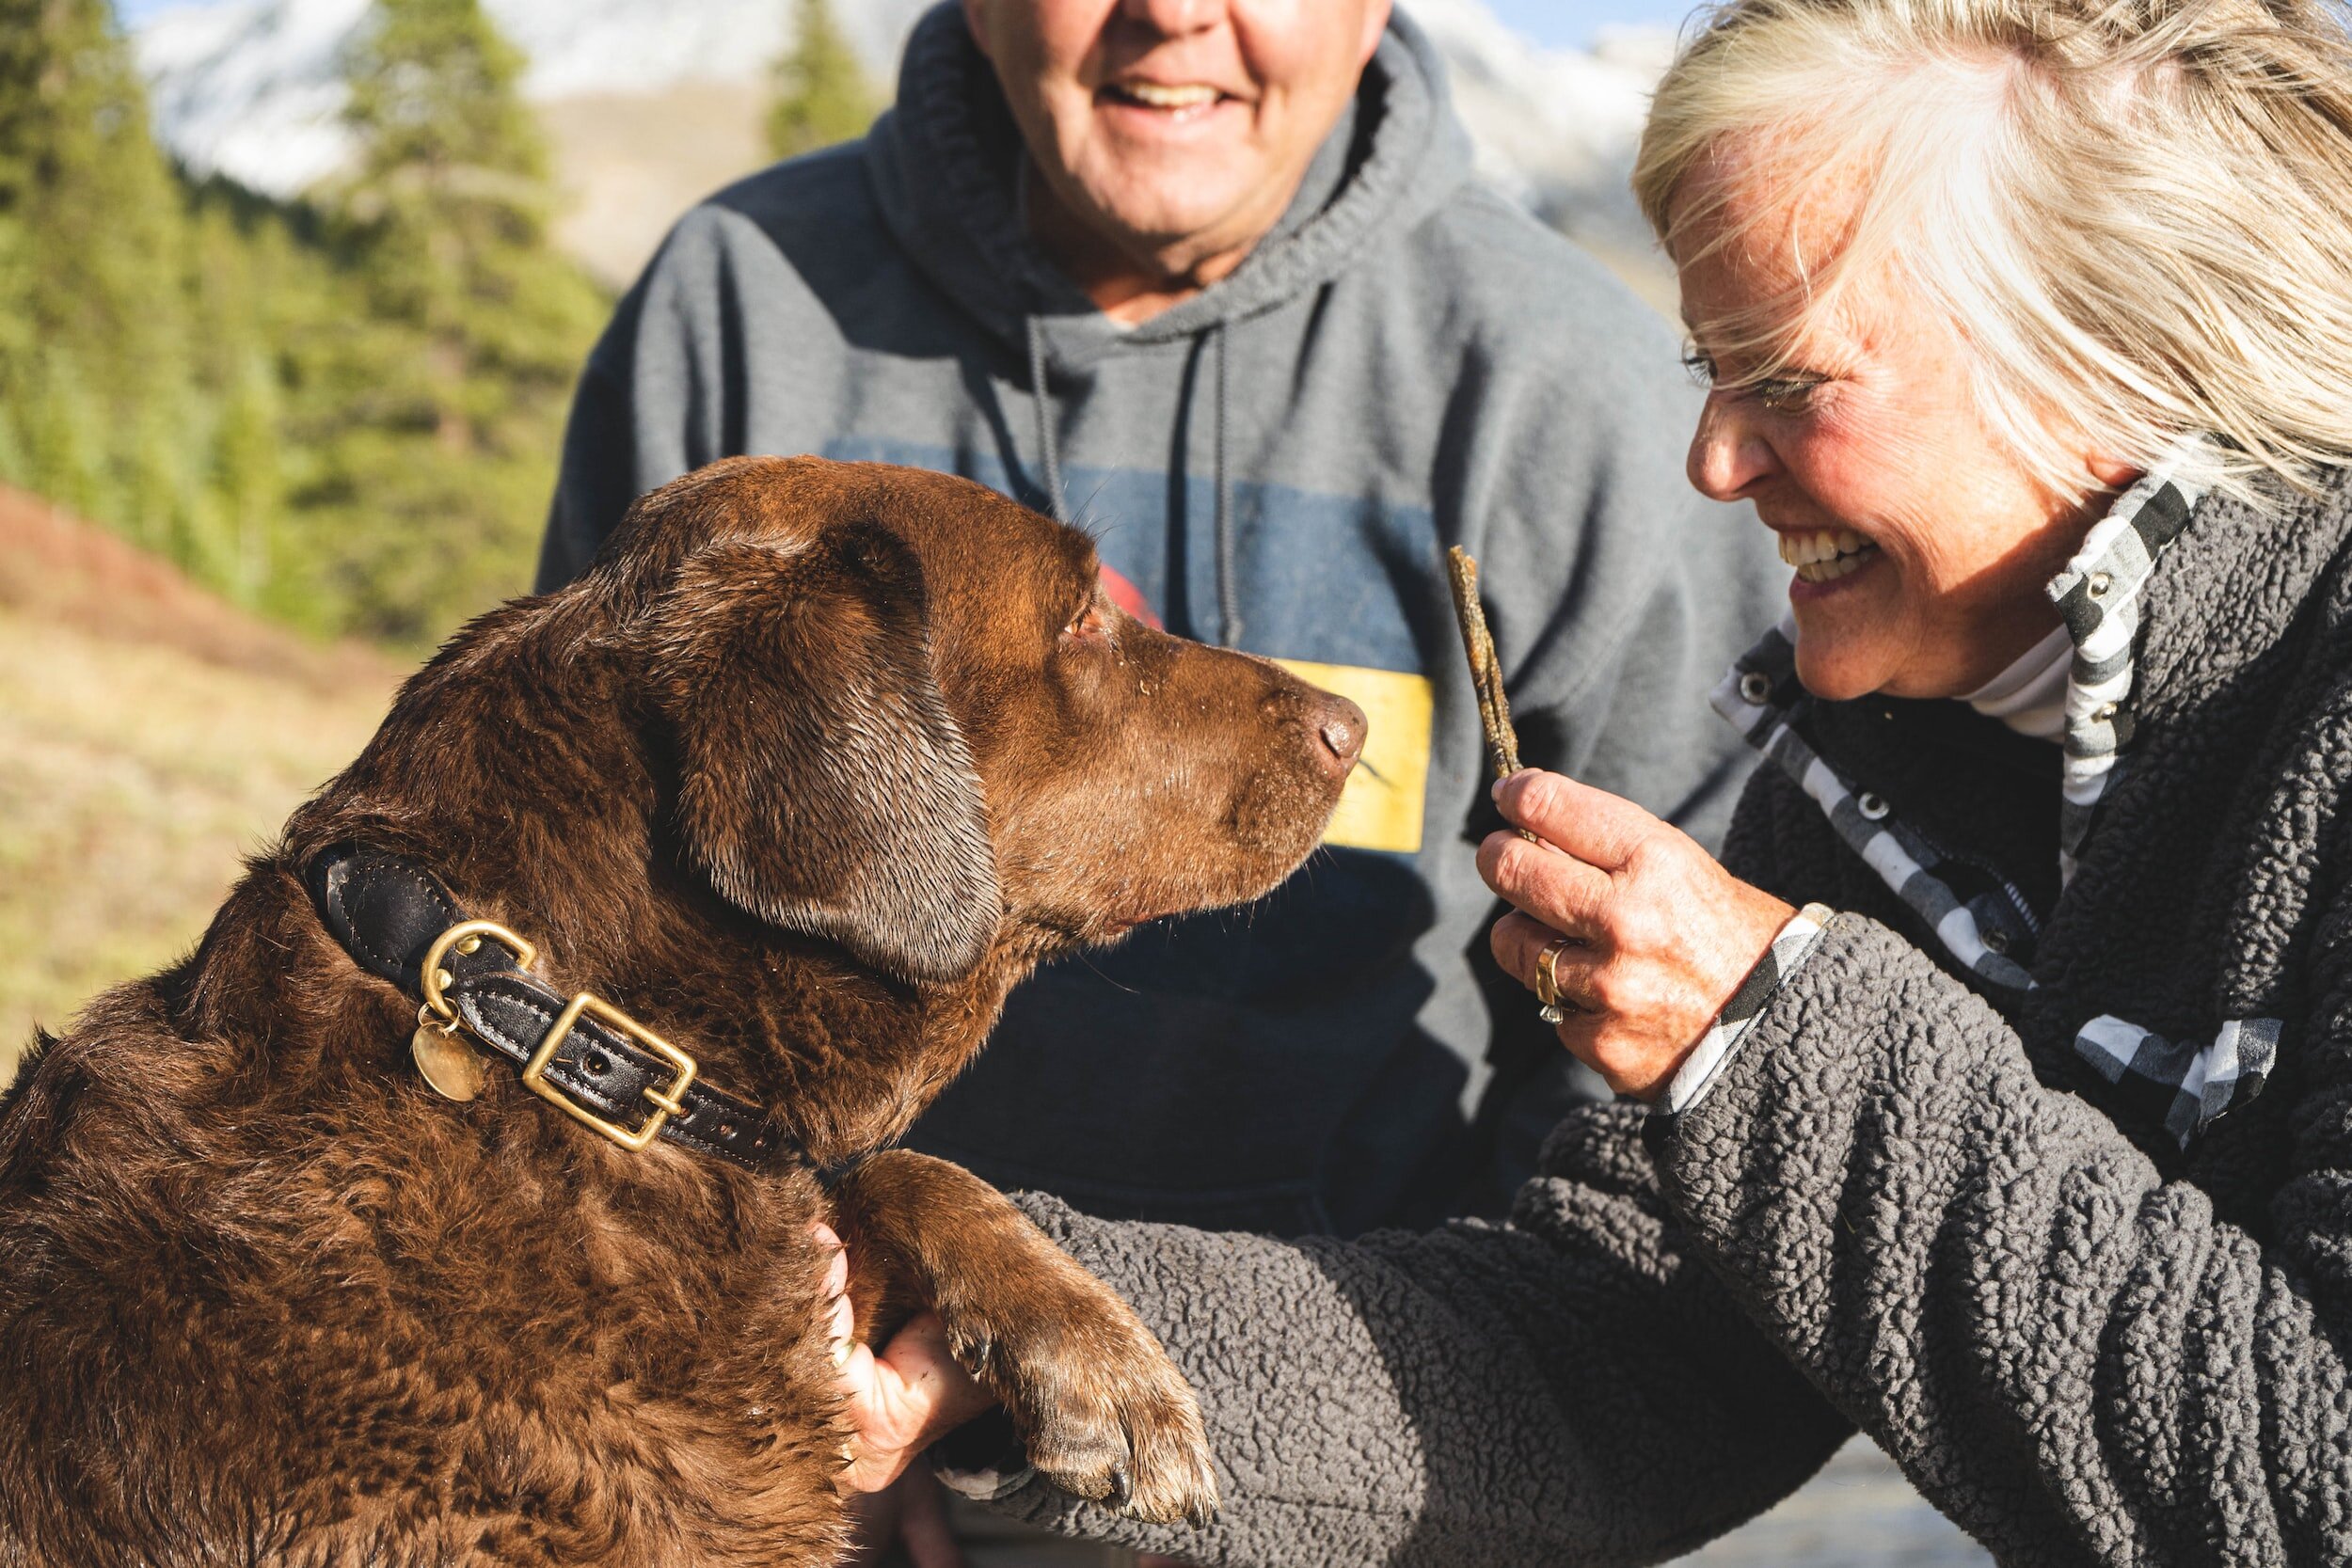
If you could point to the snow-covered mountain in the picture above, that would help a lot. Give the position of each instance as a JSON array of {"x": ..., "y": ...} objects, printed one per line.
[
  {"x": 1555, "y": 128},
  {"x": 250, "y": 88}
]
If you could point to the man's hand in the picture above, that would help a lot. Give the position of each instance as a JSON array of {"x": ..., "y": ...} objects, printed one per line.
[
  {"x": 1662, "y": 934},
  {"x": 901, "y": 1401}
]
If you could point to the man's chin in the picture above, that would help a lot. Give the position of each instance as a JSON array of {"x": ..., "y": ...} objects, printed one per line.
[{"x": 1170, "y": 214}]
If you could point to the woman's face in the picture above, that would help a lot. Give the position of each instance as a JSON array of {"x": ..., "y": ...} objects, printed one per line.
[{"x": 1920, "y": 545}]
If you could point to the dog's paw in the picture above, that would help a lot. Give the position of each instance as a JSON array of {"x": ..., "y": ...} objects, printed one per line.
[
  {"x": 1106, "y": 1417},
  {"x": 1102, "y": 1411},
  {"x": 1127, "y": 1435}
]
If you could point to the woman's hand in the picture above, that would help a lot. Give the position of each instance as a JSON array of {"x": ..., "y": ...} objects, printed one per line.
[
  {"x": 1664, "y": 935},
  {"x": 900, "y": 1401}
]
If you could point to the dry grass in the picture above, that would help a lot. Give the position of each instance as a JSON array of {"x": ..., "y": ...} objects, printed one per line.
[
  {"x": 141, "y": 757},
  {"x": 629, "y": 164}
]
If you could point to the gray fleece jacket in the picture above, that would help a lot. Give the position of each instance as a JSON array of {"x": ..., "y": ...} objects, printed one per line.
[
  {"x": 2042, "y": 1177},
  {"x": 1408, "y": 362}
]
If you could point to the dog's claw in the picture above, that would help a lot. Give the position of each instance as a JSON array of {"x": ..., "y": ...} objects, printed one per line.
[{"x": 1136, "y": 1447}]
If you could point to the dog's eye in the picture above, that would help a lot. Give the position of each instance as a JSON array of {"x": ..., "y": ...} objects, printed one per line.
[{"x": 1091, "y": 624}]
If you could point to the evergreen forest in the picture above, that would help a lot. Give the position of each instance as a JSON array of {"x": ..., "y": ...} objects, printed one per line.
[
  {"x": 344, "y": 412},
  {"x": 821, "y": 93}
]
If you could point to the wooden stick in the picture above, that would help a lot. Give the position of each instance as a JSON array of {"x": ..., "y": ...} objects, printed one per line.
[{"x": 1494, "y": 709}]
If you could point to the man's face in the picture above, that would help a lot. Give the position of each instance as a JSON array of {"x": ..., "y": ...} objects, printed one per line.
[{"x": 1177, "y": 129}]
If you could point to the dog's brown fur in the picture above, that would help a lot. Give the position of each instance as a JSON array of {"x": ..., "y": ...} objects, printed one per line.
[{"x": 811, "y": 767}]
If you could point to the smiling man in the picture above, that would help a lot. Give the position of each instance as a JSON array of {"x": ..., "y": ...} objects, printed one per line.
[
  {"x": 1170, "y": 138},
  {"x": 1214, "y": 278}
]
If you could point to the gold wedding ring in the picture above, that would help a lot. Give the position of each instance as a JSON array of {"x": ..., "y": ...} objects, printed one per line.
[{"x": 1548, "y": 981}]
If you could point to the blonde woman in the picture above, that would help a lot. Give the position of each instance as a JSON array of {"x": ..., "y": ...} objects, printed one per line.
[{"x": 1994, "y": 1097}]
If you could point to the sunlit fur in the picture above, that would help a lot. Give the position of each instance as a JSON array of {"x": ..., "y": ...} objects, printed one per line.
[{"x": 814, "y": 765}]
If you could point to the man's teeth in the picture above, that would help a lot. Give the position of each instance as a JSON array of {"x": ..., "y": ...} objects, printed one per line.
[
  {"x": 1825, "y": 554},
  {"x": 1153, "y": 95}
]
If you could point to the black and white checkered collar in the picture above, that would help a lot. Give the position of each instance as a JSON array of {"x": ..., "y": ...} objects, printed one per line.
[
  {"x": 2098, "y": 597},
  {"x": 1761, "y": 698}
]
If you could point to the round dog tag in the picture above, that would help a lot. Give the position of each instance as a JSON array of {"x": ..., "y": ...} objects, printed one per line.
[{"x": 448, "y": 1063}]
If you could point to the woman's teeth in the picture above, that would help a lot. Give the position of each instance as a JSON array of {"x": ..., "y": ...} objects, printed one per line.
[
  {"x": 1153, "y": 95},
  {"x": 1825, "y": 554}
]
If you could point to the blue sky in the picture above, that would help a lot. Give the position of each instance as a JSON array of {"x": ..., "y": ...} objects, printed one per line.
[{"x": 1550, "y": 22}]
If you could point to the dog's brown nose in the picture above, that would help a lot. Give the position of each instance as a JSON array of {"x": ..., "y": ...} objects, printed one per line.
[{"x": 1342, "y": 730}]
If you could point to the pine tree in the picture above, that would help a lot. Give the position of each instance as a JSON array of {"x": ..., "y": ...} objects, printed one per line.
[
  {"x": 247, "y": 483},
  {"x": 94, "y": 393},
  {"x": 822, "y": 93},
  {"x": 238, "y": 491},
  {"x": 64, "y": 435},
  {"x": 449, "y": 383},
  {"x": 347, "y": 414}
]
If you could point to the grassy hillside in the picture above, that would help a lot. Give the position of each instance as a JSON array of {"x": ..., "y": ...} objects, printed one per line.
[{"x": 150, "y": 737}]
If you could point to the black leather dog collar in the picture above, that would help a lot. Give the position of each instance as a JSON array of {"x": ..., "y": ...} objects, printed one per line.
[{"x": 389, "y": 913}]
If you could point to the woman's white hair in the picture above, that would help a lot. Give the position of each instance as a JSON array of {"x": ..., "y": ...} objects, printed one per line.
[{"x": 2137, "y": 212}]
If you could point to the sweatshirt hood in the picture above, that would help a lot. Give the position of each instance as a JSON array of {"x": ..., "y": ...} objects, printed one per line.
[{"x": 947, "y": 166}]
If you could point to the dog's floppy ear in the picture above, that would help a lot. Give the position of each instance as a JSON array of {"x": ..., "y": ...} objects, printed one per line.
[{"x": 823, "y": 784}]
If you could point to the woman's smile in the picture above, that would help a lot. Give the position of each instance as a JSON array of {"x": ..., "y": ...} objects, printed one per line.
[{"x": 1824, "y": 556}]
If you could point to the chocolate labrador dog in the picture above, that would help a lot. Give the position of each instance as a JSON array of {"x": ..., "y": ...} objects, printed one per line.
[{"x": 452, "y": 1203}]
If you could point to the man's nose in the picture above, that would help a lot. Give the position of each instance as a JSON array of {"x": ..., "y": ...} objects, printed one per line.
[
  {"x": 1728, "y": 456},
  {"x": 1174, "y": 18}
]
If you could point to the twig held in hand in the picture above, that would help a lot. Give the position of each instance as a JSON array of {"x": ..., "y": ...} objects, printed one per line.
[{"x": 1494, "y": 709}]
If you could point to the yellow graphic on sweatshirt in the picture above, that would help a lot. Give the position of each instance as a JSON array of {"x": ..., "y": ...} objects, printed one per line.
[{"x": 1382, "y": 808}]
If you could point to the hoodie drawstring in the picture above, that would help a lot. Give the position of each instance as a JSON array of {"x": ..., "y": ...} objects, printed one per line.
[
  {"x": 1228, "y": 588},
  {"x": 1058, "y": 505},
  {"x": 1040, "y": 404}
]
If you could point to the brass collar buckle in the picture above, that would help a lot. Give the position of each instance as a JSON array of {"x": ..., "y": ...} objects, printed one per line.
[{"x": 666, "y": 1101}]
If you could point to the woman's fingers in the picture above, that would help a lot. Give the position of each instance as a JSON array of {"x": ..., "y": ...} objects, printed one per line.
[
  {"x": 891, "y": 1403},
  {"x": 1562, "y": 892},
  {"x": 1665, "y": 932},
  {"x": 1596, "y": 827},
  {"x": 900, "y": 1401},
  {"x": 1518, "y": 945},
  {"x": 904, "y": 1399},
  {"x": 841, "y": 1321}
]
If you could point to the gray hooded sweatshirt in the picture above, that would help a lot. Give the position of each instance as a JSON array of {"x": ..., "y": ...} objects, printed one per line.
[{"x": 1277, "y": 463}]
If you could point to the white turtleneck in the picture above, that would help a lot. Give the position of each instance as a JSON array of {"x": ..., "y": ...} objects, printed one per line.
[{"x": 2030, "y": 695}]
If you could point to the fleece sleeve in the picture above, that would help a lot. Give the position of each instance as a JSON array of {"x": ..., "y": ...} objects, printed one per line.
[
  {"x": 2076, "y": 1359},
  {"x": 1565, "y": 1387}
]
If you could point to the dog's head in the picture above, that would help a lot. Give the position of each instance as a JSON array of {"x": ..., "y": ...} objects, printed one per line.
[{"x": 907, "y": 720}]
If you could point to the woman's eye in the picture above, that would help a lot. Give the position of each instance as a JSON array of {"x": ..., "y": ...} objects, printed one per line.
[
  {"x": 1783, "y": 394},
  {"x": 1788, "y": 395}
]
